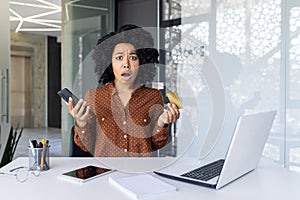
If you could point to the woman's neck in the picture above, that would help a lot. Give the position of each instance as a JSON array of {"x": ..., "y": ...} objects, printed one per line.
[
  {"x": 124, "y": 92},
  {"x": 121, "y": 88}
]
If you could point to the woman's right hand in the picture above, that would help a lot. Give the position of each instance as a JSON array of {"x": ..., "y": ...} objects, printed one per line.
[{"x": 79, "y": 112}]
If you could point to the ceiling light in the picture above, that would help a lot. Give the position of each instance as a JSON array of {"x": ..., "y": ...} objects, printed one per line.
[{"x": 35, "y": 16}]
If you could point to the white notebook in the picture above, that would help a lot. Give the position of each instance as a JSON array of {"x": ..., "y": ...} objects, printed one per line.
[{"x": 141, "y": 186}]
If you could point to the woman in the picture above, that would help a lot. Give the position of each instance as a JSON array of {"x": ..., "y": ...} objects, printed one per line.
[{"x": 123, "y": 117}]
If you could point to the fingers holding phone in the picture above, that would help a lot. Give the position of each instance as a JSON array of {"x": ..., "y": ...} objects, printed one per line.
[
  {"x": 79, "y": 112},
  {"x": 77, "y": 108}
]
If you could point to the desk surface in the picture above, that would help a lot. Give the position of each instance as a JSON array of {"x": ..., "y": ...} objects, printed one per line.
[{"x": 268, "y": 181}]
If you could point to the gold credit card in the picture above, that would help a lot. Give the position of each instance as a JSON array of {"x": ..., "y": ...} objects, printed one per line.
[{"x": 174, "y": 99}]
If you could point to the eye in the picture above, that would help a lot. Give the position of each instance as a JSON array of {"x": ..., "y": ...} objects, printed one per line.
[
  {"x": 119, "y": 57},
  {"x": 133, "y": 57}
]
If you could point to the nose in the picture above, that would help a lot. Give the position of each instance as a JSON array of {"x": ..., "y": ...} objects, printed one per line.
[
  {"x": 126, "y": 65},
  {"x": 126, "y": 62}
]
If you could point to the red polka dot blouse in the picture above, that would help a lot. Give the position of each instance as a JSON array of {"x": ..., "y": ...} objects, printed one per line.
[{"x": 114, "y": 130}]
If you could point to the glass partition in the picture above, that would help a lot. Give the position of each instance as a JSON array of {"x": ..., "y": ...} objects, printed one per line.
[
  {"x": 255, "y": 48},
  {"x": 292, "y": 55},
  {"x": 83, "y": 23}
]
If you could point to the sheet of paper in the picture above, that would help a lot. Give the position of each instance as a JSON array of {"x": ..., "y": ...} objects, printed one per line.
[{"x": 141, "y": 185}]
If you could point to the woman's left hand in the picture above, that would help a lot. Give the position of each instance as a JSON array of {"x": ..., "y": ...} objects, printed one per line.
[{"x": 169, "y": 115}]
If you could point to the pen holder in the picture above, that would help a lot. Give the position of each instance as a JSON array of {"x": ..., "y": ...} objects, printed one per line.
[{"x": 38, "y": 158}]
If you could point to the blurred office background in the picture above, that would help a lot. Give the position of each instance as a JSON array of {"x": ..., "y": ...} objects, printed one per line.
[{"x": 253, "y": 44}]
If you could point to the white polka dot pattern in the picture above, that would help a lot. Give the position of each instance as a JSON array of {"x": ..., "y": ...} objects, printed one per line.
[{"x": 115, "y": 130}]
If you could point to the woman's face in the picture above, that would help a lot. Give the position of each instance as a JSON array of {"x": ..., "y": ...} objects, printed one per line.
[{"x": 125, "y": 63}]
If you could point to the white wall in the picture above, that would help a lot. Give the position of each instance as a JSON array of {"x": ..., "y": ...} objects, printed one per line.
[{"x": 4, "y": 67}]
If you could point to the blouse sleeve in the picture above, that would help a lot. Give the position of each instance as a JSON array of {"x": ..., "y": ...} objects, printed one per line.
[
  {"x": 84, "y": 137},
  {"x": 159, "y": 134}
]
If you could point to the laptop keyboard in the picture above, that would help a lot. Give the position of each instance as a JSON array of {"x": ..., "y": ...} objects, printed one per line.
[{"x": 206, "y": 172}]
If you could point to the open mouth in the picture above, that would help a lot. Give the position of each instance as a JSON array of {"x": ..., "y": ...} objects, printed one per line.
[{"x": 125, "y": 75}]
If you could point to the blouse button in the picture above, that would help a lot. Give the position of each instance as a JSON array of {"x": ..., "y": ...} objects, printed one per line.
[
  {"x": 102, "y": 119},
  {"x": 125, "y": 150},
  {"x": 125, "y": 136},
  {"x": 124, "y": 122},
  {"x": 145, "y": 120}
]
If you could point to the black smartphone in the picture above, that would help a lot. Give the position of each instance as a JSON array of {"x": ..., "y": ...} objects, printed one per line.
[{"x": 66, "y": 94}]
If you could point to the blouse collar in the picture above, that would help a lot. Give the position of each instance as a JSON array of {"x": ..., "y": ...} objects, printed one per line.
[{"x": 113, "y": 91}]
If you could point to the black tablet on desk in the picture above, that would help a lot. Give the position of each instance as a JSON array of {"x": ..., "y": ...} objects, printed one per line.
[{"x": 84, "y": 174}]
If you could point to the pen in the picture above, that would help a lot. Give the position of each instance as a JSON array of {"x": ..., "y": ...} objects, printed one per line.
[
  {"x": 31, "y": 147},
  {"x": 43, "y": 154}
]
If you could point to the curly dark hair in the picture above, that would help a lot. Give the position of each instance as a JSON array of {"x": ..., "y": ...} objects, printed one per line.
[{"x": 140, "y": 39}]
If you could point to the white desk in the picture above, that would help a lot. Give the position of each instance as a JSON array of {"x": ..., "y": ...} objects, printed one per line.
[{"x": 268, "y": 181}]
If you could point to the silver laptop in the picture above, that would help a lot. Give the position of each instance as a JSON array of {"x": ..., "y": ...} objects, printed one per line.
[{"x": 245, "y": 150}]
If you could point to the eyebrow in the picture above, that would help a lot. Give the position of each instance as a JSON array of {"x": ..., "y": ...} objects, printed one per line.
[{"x": 122, "y": 52}]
